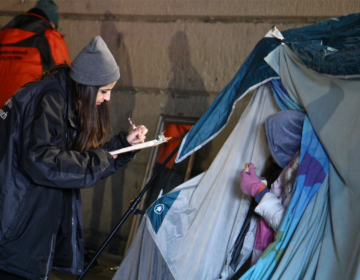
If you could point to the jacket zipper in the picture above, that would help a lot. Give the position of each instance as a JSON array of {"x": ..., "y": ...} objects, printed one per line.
[
  {"x": 49, "y": 259},
  {"x": 74, "y": 226}
]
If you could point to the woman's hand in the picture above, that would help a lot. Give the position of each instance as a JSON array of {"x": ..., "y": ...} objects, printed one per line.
[{"x": 137, "y": 136}]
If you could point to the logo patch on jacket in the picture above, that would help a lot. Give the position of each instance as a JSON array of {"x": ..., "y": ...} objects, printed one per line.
[{"x": 3, "y": 114}]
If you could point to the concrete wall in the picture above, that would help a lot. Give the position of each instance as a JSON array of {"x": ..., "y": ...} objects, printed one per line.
[{"x": 175, "y": 57}]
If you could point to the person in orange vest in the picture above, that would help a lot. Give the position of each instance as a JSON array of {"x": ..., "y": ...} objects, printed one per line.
[{"x": 29, "y": 46}]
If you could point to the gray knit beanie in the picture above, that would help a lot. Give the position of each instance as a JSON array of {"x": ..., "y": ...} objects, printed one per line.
[
  {"x": 50, "y": 9},
  {"x": 284, "y": 132},
  {"x": 95, "y": 65}
]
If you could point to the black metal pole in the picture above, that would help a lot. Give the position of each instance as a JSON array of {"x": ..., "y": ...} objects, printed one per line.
[{"x": 131, "y": 208}]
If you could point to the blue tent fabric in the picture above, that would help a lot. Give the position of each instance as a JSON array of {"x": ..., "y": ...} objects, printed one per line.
[
  {"x": 332, "y": 105},
  {"x": 196, "y": 238},
  {"x": 333, "y": 51},
  {"x": 313, "y": 169},
  {"x": 314, "y": 69},
  {"x": 216, "y": 117},
  {"x": 282, "y": 98},
  {"x": 330, "y": 46},
  {"x": 324, "y": 243},
  {"x": 158, "y": 211}
]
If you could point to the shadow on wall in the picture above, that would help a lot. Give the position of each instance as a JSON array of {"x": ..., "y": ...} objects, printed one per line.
[
  {"x": 196, "y": 101},
  {"x": 123, "y": 103},
  {"x": 185, "y": 80},
  {"x": 187, "y": 97}
]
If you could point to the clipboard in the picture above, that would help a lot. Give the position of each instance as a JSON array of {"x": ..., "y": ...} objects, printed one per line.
[{"x": 161, "y": 139}]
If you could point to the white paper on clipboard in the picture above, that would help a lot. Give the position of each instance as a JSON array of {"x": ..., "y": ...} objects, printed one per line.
[{"x": 148, "y": 144}]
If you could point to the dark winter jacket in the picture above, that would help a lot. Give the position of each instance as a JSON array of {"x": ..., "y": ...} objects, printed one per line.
[{"x": 41, "y": 177}]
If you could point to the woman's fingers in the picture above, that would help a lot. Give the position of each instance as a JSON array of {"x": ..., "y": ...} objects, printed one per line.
[
  {"x": 143, "y": 130},
  {"x": 137, "y": 136}
]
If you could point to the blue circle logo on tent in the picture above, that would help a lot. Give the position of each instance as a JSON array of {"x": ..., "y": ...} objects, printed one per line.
[{"x": 159, "y": 208}]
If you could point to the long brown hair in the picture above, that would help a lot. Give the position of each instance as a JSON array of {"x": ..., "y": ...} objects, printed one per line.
[{"x": 93, "y": 121}]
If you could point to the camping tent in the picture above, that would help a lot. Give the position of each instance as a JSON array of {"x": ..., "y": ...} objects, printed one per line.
[{"x": 192, "y": 232}]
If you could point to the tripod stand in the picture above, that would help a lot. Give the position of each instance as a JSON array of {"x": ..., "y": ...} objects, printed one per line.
[{"x": 132, "y": 208}]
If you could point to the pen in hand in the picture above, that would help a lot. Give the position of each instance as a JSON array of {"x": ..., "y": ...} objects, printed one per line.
[
  {"x": 137, "y": 133},
  {"x": 131, "y": 123}
]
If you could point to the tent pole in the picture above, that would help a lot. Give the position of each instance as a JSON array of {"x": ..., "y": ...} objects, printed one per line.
[{"x": 132, "y": 208}]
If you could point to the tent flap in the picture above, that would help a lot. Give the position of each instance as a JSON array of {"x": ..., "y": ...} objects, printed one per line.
[{"x": 330, "y": 47}]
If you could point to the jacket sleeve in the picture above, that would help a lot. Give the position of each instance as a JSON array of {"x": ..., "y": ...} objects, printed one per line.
[
  {"x": 271, "y": 209},
  {"x": 44, "y": 157},
  {"x": 117, "y": 142},
  {"x": 59, "y": 50}
]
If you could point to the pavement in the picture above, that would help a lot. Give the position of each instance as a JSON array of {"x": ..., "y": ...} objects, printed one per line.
[{"x": 103, "y": 269}]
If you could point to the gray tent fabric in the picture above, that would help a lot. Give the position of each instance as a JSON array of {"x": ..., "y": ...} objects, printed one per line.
[
  {"x": 196, "y": 235},
  {"x": 146, "y": 261},
  {"x": 332, "y": 105}
]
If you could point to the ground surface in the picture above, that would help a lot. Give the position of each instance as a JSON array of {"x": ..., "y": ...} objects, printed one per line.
[{"x": 101, "y": 271}]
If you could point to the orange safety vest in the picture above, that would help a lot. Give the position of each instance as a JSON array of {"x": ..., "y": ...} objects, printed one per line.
[{"x": 28, "y": 47}]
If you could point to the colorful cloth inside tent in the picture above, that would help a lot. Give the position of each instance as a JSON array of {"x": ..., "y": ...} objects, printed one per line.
[{"x": 313, "y": 169}]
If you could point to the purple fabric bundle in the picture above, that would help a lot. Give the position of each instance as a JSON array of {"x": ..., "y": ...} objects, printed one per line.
[{"x": 283, "y": 132}]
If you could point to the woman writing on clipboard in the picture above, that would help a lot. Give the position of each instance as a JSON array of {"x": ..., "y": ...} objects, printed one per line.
[{"x": 52, "y": 144}]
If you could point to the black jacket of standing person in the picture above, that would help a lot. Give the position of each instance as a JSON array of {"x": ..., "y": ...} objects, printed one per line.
[{"x": 41, "y": 173}]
